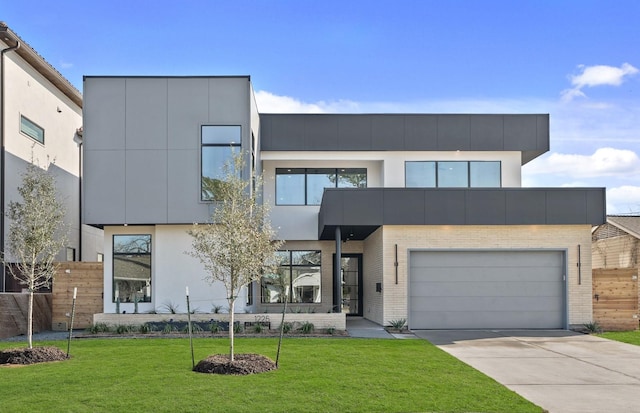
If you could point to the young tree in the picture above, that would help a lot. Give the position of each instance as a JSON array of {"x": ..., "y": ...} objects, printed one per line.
[
  {"x": 36, "y": 235},
  {"x": 237, "y": 246}
]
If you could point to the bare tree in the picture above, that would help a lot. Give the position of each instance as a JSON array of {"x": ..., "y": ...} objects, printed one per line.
[
  {"x": 37, "y": 233},
  {"x": 237, "y": 246}
]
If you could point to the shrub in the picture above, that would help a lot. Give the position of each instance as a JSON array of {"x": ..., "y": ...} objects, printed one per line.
[
  {"x": 98, "y": 328},
  {"x": 331, "y": 330},
  {"x": 287, "y": 327},
  {"x": 593, "y": 327},
  {"x": 307, "y": 327},
  {"x": 214, "y": 327},
  {"x": 399, "y": 324}
]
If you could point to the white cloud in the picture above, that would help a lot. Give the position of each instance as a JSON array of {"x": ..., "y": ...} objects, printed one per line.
[
  {"x": 604, "y": 162},
  {"x": 623, "y": 200},
  {"x": 598, "y": 75},
  {"x": 271, "y": 103}
]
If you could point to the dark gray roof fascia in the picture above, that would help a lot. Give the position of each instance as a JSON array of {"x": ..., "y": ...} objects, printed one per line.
[
  {"x": 527, "y": 133},
  {"x": 361, "y": 211}
]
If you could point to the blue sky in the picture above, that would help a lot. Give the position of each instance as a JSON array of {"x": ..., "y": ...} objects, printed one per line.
[{"x": 578, "y": 61}]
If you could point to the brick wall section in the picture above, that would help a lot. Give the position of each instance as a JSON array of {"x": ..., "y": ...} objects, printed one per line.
[
  {"x": 13, "y": 313},
  {"x": 488, "y": 237},
  {"x": 373, "y": 270},
  {"x": 88, "y": 278}
]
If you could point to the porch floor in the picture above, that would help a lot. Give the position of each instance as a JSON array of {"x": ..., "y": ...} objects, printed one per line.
[{"x": 360, "y": 327}]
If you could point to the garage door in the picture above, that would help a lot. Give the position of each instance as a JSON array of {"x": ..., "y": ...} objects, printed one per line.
[{"x": 486, "y": 289}]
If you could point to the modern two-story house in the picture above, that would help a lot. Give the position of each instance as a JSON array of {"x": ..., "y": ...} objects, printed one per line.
[
  {"x": 40, "y": 120},
  {"x": 385, "y": 216}
]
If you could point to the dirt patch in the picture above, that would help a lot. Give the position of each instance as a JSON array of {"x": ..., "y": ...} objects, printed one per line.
[
  {"x": 31, "y": 355},
  {"x": 242, "y": 364}
]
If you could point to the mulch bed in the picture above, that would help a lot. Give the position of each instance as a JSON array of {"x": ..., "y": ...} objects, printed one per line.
[
  {"x": 31, "y": 355},
  {"x": 242, "y": 364}
]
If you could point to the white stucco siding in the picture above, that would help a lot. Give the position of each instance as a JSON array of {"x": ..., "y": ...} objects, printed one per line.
[
  {"x": 384, "y": 169},
  {"x": 172, "y": 270}
]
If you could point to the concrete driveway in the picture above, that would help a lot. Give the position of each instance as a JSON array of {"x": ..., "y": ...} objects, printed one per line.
[{"x": 561, "y": 371}]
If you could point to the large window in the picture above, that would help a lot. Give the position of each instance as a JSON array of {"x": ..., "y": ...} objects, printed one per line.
[
  {"x": 298, "y": 274},
  {"x": 219, "y": 143},
  {"x": 453, "y": 174},
  {"x": 132, "y": 268},
  {"x": 305, "y": 186},
  {"x": 31, "y": 129}
]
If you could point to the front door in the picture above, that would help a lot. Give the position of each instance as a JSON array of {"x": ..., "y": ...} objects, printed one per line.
[{"x": 351, "y": 271}]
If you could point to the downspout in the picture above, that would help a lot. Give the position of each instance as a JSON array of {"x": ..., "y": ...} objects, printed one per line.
[
  {"x": 2, "y": 158},
  {"x": 78, "y": 139}
]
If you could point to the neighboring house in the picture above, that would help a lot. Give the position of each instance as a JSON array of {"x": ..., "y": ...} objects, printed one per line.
[
  {"x": 40, "y": 116},
  {"x": 424, "y": 217},
  {"x": 616, "y": 243}
]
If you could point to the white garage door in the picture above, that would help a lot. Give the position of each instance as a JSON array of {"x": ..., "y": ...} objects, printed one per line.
[{"x": 486, "y": 289}]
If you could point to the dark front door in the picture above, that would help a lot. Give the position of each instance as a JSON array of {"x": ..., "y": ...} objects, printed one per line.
[{"x": 351, "y": 274}]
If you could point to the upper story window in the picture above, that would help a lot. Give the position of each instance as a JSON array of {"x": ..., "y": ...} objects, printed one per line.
[
  {"x": 219, "y": 143},
  {"x": 305, "y": 186},
  {"x": 453, "y": 174},
  {"x": 31, "y": 129}
]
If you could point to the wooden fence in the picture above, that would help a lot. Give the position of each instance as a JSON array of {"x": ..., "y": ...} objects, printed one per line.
[
  {"x": 615, "y": 298},
  {"x": 13, "y": 313},
  {"x": 87, "y": 277}
]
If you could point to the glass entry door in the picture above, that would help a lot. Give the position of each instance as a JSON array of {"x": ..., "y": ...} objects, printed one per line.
[{"x": 351, "y": 271}]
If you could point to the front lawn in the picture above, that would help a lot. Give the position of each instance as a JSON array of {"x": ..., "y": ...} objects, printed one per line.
[
  {"x": 631, "y": 337},
  {"x": 315, "y": 375}
]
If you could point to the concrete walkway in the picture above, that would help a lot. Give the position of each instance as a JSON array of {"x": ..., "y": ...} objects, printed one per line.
[
  {"x": 360, "y": 327},
  {"x": 561, "y": 371}
]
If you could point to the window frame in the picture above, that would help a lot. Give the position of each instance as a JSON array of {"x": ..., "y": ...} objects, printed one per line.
[
  {"x": 113, "y": 264},
  {"x": 290, "y": 264},
  {"x": 337, "y": 172},
  {"x": 232, "y": 145},
  {"x": 31, "y": 125},
  {"x": 469, "y": 175}
]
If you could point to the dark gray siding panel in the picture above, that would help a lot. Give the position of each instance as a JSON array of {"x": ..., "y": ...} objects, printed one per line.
[
  {"x": 146, "y": 114},
  {"x": 421, "y": 133},
  {"x": 290, "y": 134},
  {"x": 446, "y": 205},
  {"x": 567, "y": 208},
  {"x": 321, "y": 133},
  {"x": 520, "y": 132},
  {"x": 528, "y": 134},
  {"x": 387, "y": 131},
  {"x": 400, "y": 207},
  {"x": 486, "y": 207},
  {"x": 360, "y": 209},
  {"x": 525, "y": 207},
  {"x": 487, "y": 133},
  {"x": 374, "y": 207},
  {"x": 354, "y": 133},
  {"x": 454, "y": 133}
]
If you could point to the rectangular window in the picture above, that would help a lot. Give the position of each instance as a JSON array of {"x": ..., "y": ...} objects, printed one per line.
[
  {"x": 132, "y": 268},
  {"x": 31, "y": 129},
  {"x": 298, "y": 275},
  {"x": 484, "y": 174},
  {"x": 420, "y": 174},
  {"x": 305, "y": 186},
  {"x": 453, "y": 174},
  {"x": 219, "y": 144}
]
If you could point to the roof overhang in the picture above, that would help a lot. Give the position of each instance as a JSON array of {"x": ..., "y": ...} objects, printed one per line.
[
  {"x": 359, "y": 212},
  {"x": 38, "y": 63}
]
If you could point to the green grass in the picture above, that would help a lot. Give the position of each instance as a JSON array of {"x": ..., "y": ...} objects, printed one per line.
[
  {"x": 631, "y": 337},
  {"x": 315, "y": 375}
]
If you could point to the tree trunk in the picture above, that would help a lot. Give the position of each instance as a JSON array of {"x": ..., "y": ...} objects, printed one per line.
[
  {"x": 30, "y": 319},
  {"x": 232, "y": 303}
]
